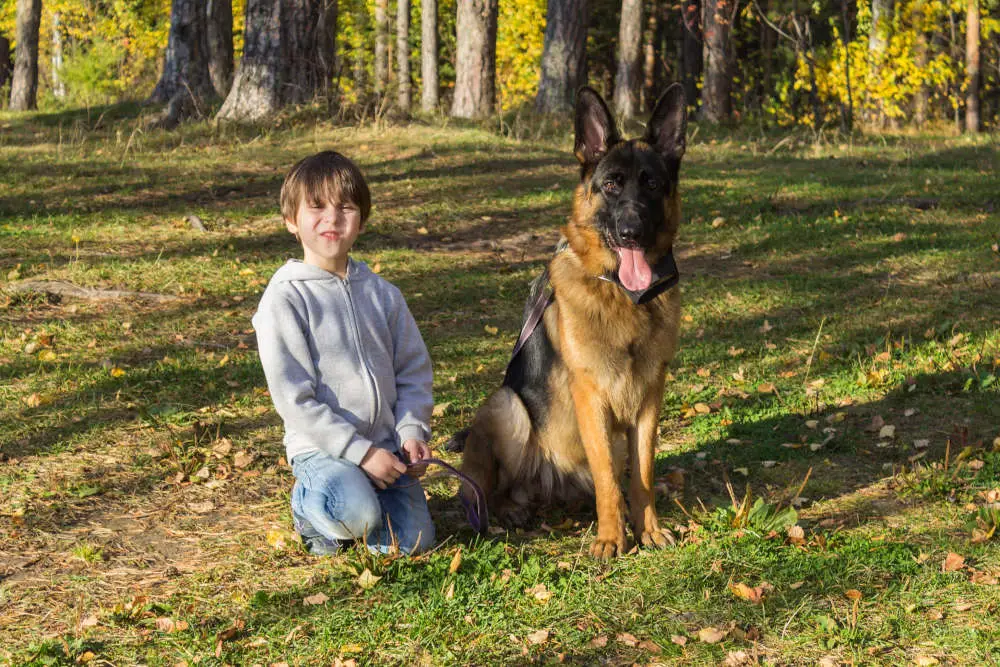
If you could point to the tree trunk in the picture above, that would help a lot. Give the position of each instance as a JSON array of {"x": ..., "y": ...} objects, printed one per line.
[
  {"x": 692, "y": 49},
  {"x": 848, "y": 111},
  {"x": 648, "y": 97},
  {"x": 24, "y": 89},
  {"x": 381, "y": 47},
  {"x": 58, "y": 85},
  {"x": 564, "y": 55},
  {"x": 768, "y": 40},
  {"x": 429, "y": 55},
  {"x": 920, "y": 99},
  {"x": 972, "y": 67},
  {"x": 627, "y": 75},
  {"x": 475, "y": 59},
  {"x": 220, "y": 45},
  {"x": 403, "y": 54},
  {"x": 288, "y": 52},
  {"x": 878, "y": 41},
  {"x": 716, "y": 106},
  {"x": 185, "y": 83},
  {"x": 5, "y": 64}
]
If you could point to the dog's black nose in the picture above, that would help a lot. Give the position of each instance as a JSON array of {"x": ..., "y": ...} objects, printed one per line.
[{"x": 630, "y": 233}]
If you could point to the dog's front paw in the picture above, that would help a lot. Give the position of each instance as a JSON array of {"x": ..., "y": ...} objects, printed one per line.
[
  {"x": 606, "y": 549},
  {"x": 658, "y": 538}
]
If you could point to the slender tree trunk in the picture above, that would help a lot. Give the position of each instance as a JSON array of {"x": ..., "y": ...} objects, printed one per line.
[
  {"x": 692, "y": 49},
  {"x": 429, "y": 56},
  {"x": 564, "y": 55},
  {"x": 220, "y": 45},
  {"x": 878, "y": 41},
  {"x": 716, "y": 93},
  {"x": 768, "y": 40},
  {"x": 24, "y": 89},
  {"x": 58, "y": 85},
  {"x": 381, "y": 46},
  {"x": 475, "y": 59},
  {"x": 185, "y": 84},
  {"x": 403, "y": 54},
  {"x": 972, "y": 38},
  {"x": 5, "y": 64},
  {"x": 648, "y": 97},
  {"x": 629, "y": 69},
  {"x": 288, "y": 55},
  {"x": 922, "y": 95},
  {"x": 848, "y": 111}
]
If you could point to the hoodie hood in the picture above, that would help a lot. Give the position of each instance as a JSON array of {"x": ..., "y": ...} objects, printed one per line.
[{"x": 296, "y": 270}]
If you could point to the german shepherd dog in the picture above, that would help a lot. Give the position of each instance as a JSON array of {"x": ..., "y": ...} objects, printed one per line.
[{"x": 582, "y": 396}]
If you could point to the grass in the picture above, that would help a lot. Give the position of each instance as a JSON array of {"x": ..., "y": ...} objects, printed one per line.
[{"x": 833, "y": 288}]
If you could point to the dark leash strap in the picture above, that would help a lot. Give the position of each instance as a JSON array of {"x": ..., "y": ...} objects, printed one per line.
[
  {"x": 544, "y": 299},
  {"x": 665, "y": 276},
  {"x": 476, "y": 511}
]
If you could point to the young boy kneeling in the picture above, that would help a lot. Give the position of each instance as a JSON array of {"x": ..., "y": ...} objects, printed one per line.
[{"x": 348, "y": 373}]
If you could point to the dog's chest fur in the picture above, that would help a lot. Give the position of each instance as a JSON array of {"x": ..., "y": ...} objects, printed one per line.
[{"x": 622, "y": 347}]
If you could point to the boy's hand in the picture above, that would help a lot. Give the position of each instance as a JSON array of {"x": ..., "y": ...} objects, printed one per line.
[
  {"x": 383, "y": 467},
  {"x": 416, "y": 450}
]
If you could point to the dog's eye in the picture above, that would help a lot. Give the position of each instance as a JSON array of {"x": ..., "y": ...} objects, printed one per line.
[
  {"x": 611, "y": 185},
  {"x": 652, "y": 184}
]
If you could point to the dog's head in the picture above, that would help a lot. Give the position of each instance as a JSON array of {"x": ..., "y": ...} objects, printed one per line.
[{"x": 627, "y": 209}]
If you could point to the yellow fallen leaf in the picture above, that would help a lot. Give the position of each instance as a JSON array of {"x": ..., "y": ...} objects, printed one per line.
[
  {"x": 853, "y": 594},
  {"x": 450, "y": 593},
  {"x": 952, "y": 562},
  {"x": 627, "y": 638},
  {"x": 600, "y": 641},
  {"x": 491, "y": 330},
  {"x": 680, "y": 640},
  {"x": 223, "y": 361},
  {"x": 281, "y": 539},
  {"x": 711, "y": 635},
  {"x": 367, "y": 580},
  {"x": 440, "y": 409},
  {"x": 540, "y": 593},
  {"x": 456, "y": 561},
  {"x": 766, "y": 388},
  {"x": 117, "y": 372}
]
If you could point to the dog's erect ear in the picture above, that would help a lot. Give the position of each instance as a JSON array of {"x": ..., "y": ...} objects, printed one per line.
[
  {"x": 668, "y": 124},
  {"x": 595, "y": 128}
]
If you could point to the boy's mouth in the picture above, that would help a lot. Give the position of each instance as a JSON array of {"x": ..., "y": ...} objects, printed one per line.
[{"x": 332, "y": 236}]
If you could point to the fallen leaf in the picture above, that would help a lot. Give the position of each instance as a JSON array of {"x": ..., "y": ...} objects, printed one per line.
[
  {"x": 440, "y": 409},
  {"x": 963, "y": 606},
  {"x": 242, "y": 459},
  {"x": 702, "y": 408},
  {"x": 627, "y": 638},
  {"x": 853, "y": 594},
  {"x": 540, "y": 593},
  {"x": 201, "y": 508},
  {"x": 769, "y": 463},
  {"x": 168, "y": 625},
  {"x": 711, "y": 635},
  {"x": 33, "y": 401},
  {"x": 314, "y": 600},
  {"x": 887, "y": 431},
  {"x": 811, "y": 423},
  {"x": 538, "y": 637},
  {"x": 764, "y": 328},
  {"x": 797, "y": 585},
  {"x": 117, "y": 372},
  {"x": 922, "y": 444},
  {"x": 680, "y": 640},
  {"x": 737, "y": 659},
  {"x": 600, "y": 641},
  {"x": 983, "y": 579},
  {"x": 422, "y": 231},
  {"x": 952, "y": 562},
  {"x": 652, "y": 647},
  {"x": 46, "y": 355},
  {"x": 718, "y": 222},
  {"x": 450, "y": 593},
  {"x": 755, "y": 594},
  {"x": 280, "y": 538},
  {"x": 796, "y": 535},
  {"x": 491, "y": 330},
  {"x": 925, "y": 660},
  {"x": 766, "y": 388},
  {"x": 367, "y": 580},
  {"x": 87, "y": 622},
  {"x": 456, "y": 561}
]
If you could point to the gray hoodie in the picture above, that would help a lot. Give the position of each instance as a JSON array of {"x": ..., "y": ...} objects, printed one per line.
[{"x": 345, "y": 364}]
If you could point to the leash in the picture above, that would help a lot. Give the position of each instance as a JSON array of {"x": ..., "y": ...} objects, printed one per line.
[{"x": 476, "y": 512}]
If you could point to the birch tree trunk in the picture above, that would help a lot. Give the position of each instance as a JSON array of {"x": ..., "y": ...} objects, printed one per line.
[
  {"x": 24, "y": 87},
  {"x": 564, "y": 55},
  {"x": 403, "y": 55},
  {"x": 381, "y": 46},
  {"x": 220, "y": 45},
  {"x": 288, "y": 55},
  {"x": 627, "y": 76},
  {"x": 58, "y": 85},
  {"x": 475, "y": 59},
  {"x": 972, "y": 39},
  {"x": 429, "y": 55}
]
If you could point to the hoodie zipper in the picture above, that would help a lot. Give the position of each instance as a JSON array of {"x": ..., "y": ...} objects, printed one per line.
[{"x": 369, "y": 376}]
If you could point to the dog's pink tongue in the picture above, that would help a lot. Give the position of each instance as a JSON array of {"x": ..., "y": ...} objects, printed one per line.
[{"x": 633, "y": 270}]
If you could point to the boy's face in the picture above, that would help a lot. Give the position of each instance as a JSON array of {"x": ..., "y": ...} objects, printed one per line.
[{"x": 327, "y": 230}]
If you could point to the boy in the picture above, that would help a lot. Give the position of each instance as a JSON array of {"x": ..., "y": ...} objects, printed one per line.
[{"x": 348, "y": 373}]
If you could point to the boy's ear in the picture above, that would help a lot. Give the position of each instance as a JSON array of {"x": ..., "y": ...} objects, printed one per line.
[{"x": 291, "y": 226}]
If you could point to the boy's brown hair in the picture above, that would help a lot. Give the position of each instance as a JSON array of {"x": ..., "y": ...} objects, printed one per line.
[{"x": 325, "y": 176}]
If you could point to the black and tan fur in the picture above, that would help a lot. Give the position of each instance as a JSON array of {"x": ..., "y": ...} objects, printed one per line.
[{"x": 583, "y": 396}]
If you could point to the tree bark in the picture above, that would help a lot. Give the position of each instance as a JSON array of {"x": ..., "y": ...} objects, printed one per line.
[
  {"x": 692, "y": 49},
  {"x": 58, "y": 85},
  {"x": 922, "y": 96},
  {"x": 288, "y": 54},
  {"x": 429, "y": 55},
  {"x": 878, "y": 41},
  {"x": 185, "y": 84},
  {"x": 220, "y": 45},
  {"x": 847, "y": 113},
  {"x": 564, "y": 55},
  {"x": 716, "y": 102},
  {"x": 403, "y": 55},
  {"x": 628, "y": 72},
  {"x": 381, "y": 46},
  {"x": 972, "y": 38},
  {"x": 24, "y": 88},
  {"x": 475, "y": 59},
  {"x": 648, "y": 98},
  {"x": 5, "y": 64}
]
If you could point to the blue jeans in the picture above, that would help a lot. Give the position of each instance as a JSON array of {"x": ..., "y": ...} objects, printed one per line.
[{"x": 334, "y": 501}]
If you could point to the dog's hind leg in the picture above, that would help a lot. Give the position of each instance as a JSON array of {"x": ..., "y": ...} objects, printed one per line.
[{"x": 495, "y": 452}]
